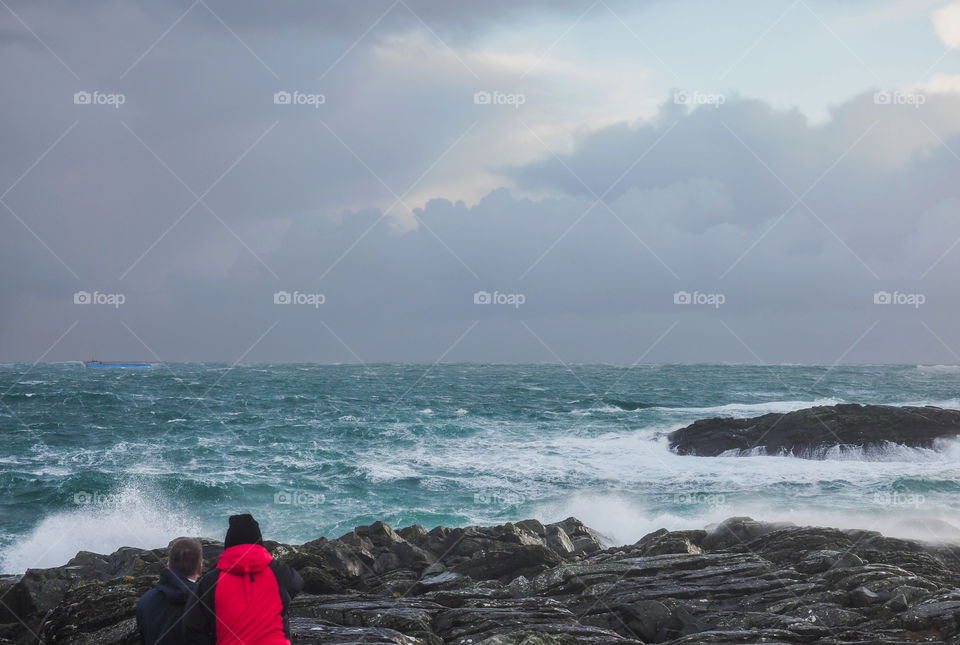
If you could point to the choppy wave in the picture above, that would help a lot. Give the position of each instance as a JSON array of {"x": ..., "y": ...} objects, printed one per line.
[{"x": 502, "y": 443}]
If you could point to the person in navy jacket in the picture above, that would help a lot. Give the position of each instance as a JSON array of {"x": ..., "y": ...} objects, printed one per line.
[{"x": 160, "y": 611}]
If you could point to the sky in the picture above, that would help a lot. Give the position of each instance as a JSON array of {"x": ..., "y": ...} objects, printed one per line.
[{"x": 421, "y": 181}]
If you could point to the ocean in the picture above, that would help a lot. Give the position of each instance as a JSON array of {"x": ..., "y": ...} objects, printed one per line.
[{"x": 97, "y": 459}]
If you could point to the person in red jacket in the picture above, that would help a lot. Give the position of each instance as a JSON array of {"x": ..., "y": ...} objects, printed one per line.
[{"x": 244, "y": 600}]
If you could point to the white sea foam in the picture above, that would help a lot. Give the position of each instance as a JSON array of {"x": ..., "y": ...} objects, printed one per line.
[
  {"x": 623, "y": 519},
  {"x": 130, "y": 517},
  {"x": 943, "y": 403},
  {"x": 942, "y": 450},
  {"x": 938, "y": 369},
  {"x": 752, "y": 409},
  {"x": 605, "y": 409}
]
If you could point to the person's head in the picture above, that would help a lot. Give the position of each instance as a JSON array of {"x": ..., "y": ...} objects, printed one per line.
[
  {"x": 186, "y": 557},
  {"x": 243, "y": 530}
]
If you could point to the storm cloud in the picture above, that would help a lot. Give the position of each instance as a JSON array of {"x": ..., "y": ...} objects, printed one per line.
[{"x": 387, "y": 182}]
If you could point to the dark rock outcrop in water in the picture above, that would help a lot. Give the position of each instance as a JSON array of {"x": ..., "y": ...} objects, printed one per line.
[
  {"x": 807, "y": 433},
  {"x": 530, "y": 584}
]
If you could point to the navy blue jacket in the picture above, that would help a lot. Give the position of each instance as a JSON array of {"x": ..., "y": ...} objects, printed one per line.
[{"x": 160, "y": 610}]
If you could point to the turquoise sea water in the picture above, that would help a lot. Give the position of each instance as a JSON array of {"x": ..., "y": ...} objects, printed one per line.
[{"x": 96, "y": 459}]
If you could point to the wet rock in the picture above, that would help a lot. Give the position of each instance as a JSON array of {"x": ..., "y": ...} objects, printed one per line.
[
  {"x": 650, "y": 619},
  {"x": 526, "y": 560},
  {"x": 741, "y": 581},
  {"x": 664, "y": 541},
  {"x": 863, "y": 597},
  {"x": 413, "y": 617},
  {"x": 808, "y": 432},
  {"x": 940, "y": 615},
  {"x": 735, "y": 532},
  {"x": 533, "y": 526},
  {"x": 558, "y": 540},
  {"x": 15, "y": 601},
  {"x": 311, "y": 632},
  {"x": 898, "y": 603}
]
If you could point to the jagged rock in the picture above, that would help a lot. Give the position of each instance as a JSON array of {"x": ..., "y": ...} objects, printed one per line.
[
  {"x": 940, "y": 615},
  {"x": 664, "y": 541},
  {"x": 736, "y": 531},
  {"x": 649, "y": 619},
  {"x": 526, "y": 560},
  {"x": 533, "y": 526},
  {"x": 742, "y": 581},
  {"x": 96, "y": 612},
  {"x": 585, "y": 540},
  {"x": 898, "y": 603},
  {"x": 825, "y": 559},
  {"x": 808, "y": 432},
  {"x": 558, "y": 540},
  {"x": 15, "y": 601},
  {"x": 863, "y": 597}
]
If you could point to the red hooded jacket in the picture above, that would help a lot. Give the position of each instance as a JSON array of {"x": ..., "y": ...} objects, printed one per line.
[{"x": 244, "y": 601}]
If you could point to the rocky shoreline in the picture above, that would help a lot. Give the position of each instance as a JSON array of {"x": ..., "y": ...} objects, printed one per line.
[{"x": 533, "y": 584}]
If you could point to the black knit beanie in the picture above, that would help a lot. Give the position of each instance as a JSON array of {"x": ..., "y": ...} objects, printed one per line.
[{"x": 243, "y": 530}]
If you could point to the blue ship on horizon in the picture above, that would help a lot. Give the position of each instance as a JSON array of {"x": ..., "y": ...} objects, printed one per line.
[{"x": 126, "y": 365}]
